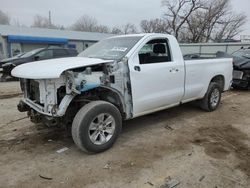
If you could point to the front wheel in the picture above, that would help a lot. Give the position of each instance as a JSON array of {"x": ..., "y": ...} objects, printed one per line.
[
  {"x": 211, "y": 100},
  {"x": 96, "y": 126}
]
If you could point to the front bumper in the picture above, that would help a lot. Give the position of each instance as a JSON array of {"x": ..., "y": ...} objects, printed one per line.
[
  {"x": 241, "y": 78},
  {"x": 53, "y": 111},
  {"x": 241, "y": 83}
]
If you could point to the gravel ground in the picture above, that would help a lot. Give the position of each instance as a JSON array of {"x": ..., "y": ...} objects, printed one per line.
[{"x": 185, "y": 144}]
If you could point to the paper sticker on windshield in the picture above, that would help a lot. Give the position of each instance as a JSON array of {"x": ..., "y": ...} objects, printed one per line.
[{"x": 119, "y": 49}]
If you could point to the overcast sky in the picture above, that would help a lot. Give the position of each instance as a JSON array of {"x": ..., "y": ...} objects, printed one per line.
[{"x": 107, "y": 12}]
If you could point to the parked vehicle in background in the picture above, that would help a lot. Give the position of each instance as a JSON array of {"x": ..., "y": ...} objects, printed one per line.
[
  {"x": 241, "y": 64},
  {"x": 3, "y": 61},
  {"x": 1, "y": 57},
  {"x": 117, "y": 79},
  {"x": 34, "y": 55}
]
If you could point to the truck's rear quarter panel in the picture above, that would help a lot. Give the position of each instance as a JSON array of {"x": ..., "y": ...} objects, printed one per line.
[{"x": 199, "y": 74}]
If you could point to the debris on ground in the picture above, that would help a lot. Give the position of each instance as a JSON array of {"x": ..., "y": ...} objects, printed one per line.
[
  {"x": 132, "y": 164},
  {"x": 234, "y": 108},
  {"x": 50, "y": 140},
  {"x": 16, "y": 120},
  {"x": 10, "y": 138},
  {"x": 62, "y": 150},
  {"x": 150, "y": 183},
  {"x": 44, "y": 177},
  {"x": 169, "y": 127},
  {"x": 20, "y": 141},
  {"x": 201, "y": 178},
  {"x": 107, "y": 166},
  {"x": 170, "y": 183}
]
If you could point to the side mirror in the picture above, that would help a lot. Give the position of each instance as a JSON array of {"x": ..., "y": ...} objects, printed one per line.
[{"x": 36, "y": 58}]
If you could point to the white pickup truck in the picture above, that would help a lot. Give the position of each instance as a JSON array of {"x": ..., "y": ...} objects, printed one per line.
[{"x": 116, "y": 79}]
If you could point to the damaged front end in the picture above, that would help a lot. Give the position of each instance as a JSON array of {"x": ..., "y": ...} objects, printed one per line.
[
  {"x": 241, "y": 74},
  {"x": 43, "y": 99},
  {"x": 55, "y": 101},
  {"x": 241, "y": 79}
]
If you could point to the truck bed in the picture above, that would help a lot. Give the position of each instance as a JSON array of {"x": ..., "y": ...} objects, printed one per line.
[
  {"x": 200, "y": 71},
  {"x": 199, "y": 56}
]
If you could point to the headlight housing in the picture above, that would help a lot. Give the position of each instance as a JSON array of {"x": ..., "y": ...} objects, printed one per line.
[{"x": 246, "y": 75}]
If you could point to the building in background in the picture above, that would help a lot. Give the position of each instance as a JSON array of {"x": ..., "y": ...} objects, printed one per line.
[
  {"x": 15, "y": 40},
  {"x": 245, "y": 38}
]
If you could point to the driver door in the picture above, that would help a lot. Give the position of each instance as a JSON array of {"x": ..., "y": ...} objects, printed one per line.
[{"x": 157, "y": 80}]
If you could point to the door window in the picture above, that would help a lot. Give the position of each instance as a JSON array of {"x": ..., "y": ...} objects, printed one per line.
[
  {"x": 60, "y": 53},
  {"x": 45, "y": 54},
  {"x": 155, "y": 51}
]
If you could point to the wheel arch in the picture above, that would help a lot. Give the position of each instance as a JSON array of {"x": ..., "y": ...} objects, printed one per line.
[
  {"x": 102, "y": 93},
  {"x": 220, "y": 80},
  {"x": 114, "y": 97}
]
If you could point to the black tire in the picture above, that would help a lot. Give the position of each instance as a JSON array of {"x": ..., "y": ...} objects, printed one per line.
[
  {"x": 87, "y": 115},
  {"x": 3, "y": 78},
  {"x": 206, "y": 103}
]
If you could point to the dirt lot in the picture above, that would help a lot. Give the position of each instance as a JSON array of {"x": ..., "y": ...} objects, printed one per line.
[{"x": 196, "y": 148}]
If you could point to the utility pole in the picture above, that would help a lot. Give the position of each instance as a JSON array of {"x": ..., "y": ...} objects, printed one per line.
[{"x": 50, "y": 23}]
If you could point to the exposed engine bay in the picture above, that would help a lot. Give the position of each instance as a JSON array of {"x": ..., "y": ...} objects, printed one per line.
[{"x": 48, "y": 100}]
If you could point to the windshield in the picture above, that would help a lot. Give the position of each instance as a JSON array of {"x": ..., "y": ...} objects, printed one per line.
[
  {"x": 28, "y": 54},
  {"x": 111, "y": 49},
  {"x": 19, "y": 55},
  {"x": 245, "y": 53}
]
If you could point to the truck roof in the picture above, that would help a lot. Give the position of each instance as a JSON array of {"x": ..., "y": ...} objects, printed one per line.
[{"x": 139, "y": 35}]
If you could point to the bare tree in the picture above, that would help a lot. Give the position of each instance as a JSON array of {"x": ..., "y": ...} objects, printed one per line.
[
  {"x": 89, "y": 24},
  {"x": 177, "y": 12},
  {"x": 202, "y": 20},
  {"x": 116, "y": 30},
  {"x": 43, "y": 22},
  {"x": 124, "y": 29},
  {"x": 154, "y": 26},
  {"x": 102, "y": 29},
  {"x": 215, "y": 12},
  {"x": 129, "y": 28},
  {"x": 4, "y": 18},
  {"x": 230, "y": 27},
  {"x": 214, "y": 22},
  {"x": 85, "y": 23}
]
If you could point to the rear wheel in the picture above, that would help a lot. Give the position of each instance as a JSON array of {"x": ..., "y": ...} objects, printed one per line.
[
  {"x": 96, "y": 126},
  {"x": 211, "y": 100}
]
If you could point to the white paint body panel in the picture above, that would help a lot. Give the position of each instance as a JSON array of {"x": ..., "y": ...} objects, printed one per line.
[
  {"x": 53, "y": 68},
  {"x": 199, "y": 74},
  {"x": 155, "y": 87}
]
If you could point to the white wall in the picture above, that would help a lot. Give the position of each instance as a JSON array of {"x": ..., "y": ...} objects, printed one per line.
[
  {"x": 212, "y": 47},
  {"x": 4, "y": 47}
]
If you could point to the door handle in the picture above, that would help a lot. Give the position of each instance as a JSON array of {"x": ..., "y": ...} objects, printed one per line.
[
  {"x": 137, "y": 68},
  {"x": 173, "y": 70}
]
